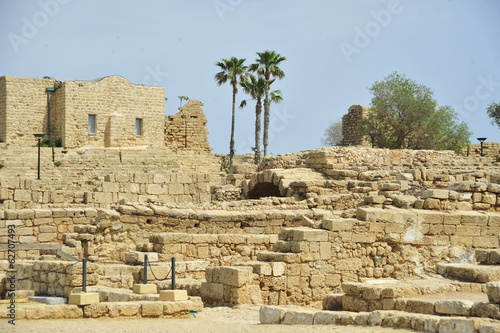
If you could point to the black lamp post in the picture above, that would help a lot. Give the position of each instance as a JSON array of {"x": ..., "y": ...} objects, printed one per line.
[
  {"x": 373, "y": 135},
  {"x": 481, "y": 140},
  {"x": 39, "y": 138}
]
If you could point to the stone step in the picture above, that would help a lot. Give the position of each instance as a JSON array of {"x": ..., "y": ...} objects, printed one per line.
[
  {"x": 303, "y": 234},
  {"x": 488, "y": 256},
  {"x": 470, "y": 272},
  {"x": 386, "y": 294},
  {"x": 269, "y": 256}
]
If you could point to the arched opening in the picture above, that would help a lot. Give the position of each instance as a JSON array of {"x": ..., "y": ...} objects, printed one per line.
[{"x": 264, "y": 190}]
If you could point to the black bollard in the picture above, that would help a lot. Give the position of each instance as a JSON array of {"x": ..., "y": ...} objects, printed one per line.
[
  {"x": 84, "y": 275},
  {"x": 145, "y": 275},
  {"x": 173, "y": 273}
]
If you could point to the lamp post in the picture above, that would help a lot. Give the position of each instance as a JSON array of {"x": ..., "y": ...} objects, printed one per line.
[
  {"x": 39, "y": 138},
  {"x": 481, "y": 140},
  {"x": 373, "y": 135}
]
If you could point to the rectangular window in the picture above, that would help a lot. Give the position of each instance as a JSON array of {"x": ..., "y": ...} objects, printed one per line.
[
  {"x": 91, "y": 125},
  {"x": 138, "y": 126}
]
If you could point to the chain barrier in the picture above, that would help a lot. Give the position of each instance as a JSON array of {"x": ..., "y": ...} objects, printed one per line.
[
  {"x": 152, "y": 272},
  {"x": 41, "y": 274}
]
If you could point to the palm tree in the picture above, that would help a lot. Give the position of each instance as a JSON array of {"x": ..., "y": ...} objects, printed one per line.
[
  {"x": 267, "y": 66},
  {"x": 232, "y": 70},
  {"x": 256, "y": 88}
]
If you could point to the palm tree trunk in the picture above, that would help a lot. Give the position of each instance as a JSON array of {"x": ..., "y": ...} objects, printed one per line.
[
  {"x": 258, "y": 111},
  {"x": 231, "y": 142},
  {"x": 267, "y": 105}
]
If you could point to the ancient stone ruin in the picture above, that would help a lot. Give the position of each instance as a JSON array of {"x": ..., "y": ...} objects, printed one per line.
[{"x": 337, "y": 235}]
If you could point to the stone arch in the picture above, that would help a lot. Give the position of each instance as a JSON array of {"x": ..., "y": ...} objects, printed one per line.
[{"x": 291, "y": 182}]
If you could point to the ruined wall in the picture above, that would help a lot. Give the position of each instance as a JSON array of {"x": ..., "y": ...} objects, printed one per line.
[
  {"x": 24, "y": 110},
  {"x": 186, "y": 129},
  {"x": 351, "y": 134}
]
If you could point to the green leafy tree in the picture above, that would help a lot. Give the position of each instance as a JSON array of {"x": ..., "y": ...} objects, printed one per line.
[
  {"x": 333, "y": 134},
  {"x": 493, "y": 111},
  {"x": 405, "y": 115},
  {"x": 267, "y": 66},
  {"x": 256, "y": 88},
  {"x": 232, "y": 70}
]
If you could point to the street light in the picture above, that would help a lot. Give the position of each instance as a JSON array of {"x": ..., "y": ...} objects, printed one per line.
[
  {"x": 481, "y": 140},
  {"x": 39, "y": 138},
  {"x": 373, "y": 135}
]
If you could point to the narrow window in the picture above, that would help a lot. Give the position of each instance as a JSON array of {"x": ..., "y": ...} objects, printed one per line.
[
  {"x": 138, "y": 126},
  {"x": 91, "y": 127}
]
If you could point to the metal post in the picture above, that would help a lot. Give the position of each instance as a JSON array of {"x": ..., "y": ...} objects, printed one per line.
[
  {"x": 38, "y": 159},
  {"x": 39, "y": 138},
  {"x": 145, "y": 275},
  {"x": 173, "y": 273},
  {"x": 84, "y": 275}
]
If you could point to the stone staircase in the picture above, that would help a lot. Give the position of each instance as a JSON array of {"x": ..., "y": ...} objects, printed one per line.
[{"x": 471, "y": 291}]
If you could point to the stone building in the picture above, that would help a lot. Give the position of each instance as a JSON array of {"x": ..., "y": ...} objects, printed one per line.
[{"x": 107, "y": 112}]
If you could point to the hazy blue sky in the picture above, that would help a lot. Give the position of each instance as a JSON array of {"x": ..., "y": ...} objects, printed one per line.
[{"x": 335, "y": 50}]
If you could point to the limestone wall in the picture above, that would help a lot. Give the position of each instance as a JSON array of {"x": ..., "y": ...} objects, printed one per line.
[
  {"x": 116, "y": 104},
  {"x": 23, "y": 109},
  {"x": 101, "y": 177},
  {"x": 55, "y": 278},
  {"x": 216, "y": 249}
]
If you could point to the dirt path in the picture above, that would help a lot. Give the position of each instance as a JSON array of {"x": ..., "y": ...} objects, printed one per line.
[{"x": 211, "y": 320}]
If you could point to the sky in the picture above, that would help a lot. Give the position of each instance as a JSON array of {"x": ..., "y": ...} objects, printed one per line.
[{"x": 335, "y": 50}]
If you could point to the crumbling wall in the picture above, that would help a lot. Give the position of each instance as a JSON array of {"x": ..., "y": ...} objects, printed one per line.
[
  {"x": 351, "y": 132},
  {"x": 186, "y": 129}
]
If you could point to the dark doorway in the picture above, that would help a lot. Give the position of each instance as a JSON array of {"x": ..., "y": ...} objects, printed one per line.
[{"x": 264, "y": 190}]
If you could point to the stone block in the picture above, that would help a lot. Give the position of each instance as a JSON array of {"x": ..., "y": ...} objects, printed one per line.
[
  {"x": 235, "y": 276},
  {"x": 437, "y": 194},
  {"x": 312, "y": 235},
  {"x": 404, "y": 176},
  {"x": 375, "y": 199},
  {"x": 123, "y": 309},
  {"x": 271, "y": 315},
  {"x": 493, "y": 291},
  {"x": 454, "y": 307},
  {"x": 337, "y": 224},
  {"x": 173, "y": 295},
  {"x": 137, "y": 257},
  {"x": 48, "y": 300},
  {"x": 151, "y": 309},
  {"x": 456, "y": 325},
  {"x": 145, "y": 288},
  {"x": 299, "y": 317},
  {"x": 83, "y": 298},
  {"x": 212, "y": 291}
]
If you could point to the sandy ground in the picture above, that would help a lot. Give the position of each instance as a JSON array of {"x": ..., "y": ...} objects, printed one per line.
[{"x": 211, "y": 320}]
